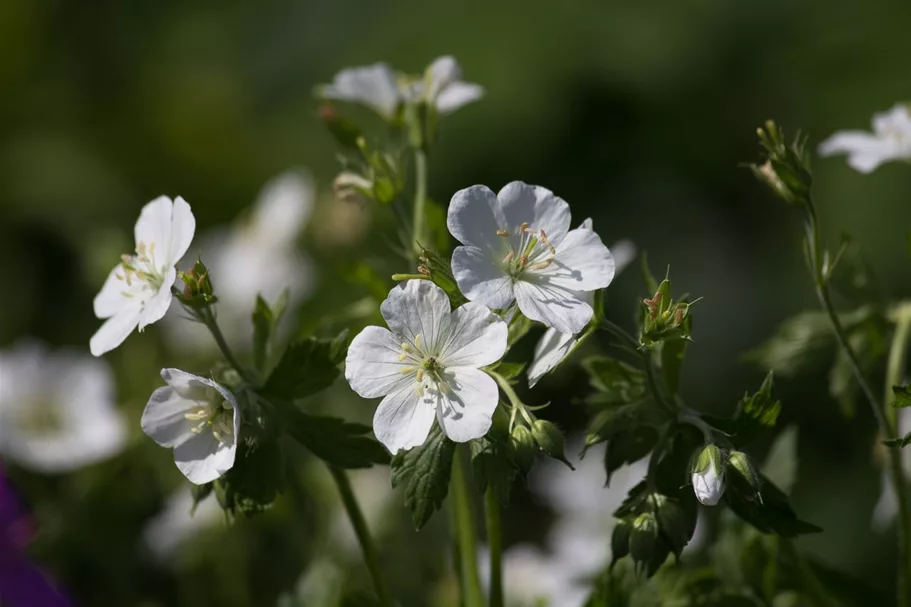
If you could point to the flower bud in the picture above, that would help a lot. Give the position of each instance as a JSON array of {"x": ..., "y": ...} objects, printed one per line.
[
  {"x": 741, "y": 464},
  {"x": 550, "y": 439},
  {"x": 643, "y": 538},
  {"x": 522, "y": 447},
  {"x": 197, "y": 286},
  {"x": 619, "y": 540},
  {"x": 708, "y": 476}
]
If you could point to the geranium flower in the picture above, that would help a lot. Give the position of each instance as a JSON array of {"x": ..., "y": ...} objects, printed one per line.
[
  {"x": 57, "y": 409},
  {"x": 198, "y": 418},
  {"x": 554, "y": 347},
  {"x": 384, "y": 91},
  {"x": 427, "y": 365},
  {"x": 138, "y": 291},
  {"x": 890, "y": 140},
  {"x": 518, "y": 247}
]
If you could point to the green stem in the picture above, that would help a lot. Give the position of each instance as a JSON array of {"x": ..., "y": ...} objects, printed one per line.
[
  {"x": 420, "y": 199},
  {"x": 207, "y": 316},
  {"x": 812, "y": 586},
  {"x": 465, "y": 532},
  {"x": 371, "y": 556},
  {"x": 883, "y": 419},
  {"x": 514, "y": 400},
  {"x": 495, "y": 543}
]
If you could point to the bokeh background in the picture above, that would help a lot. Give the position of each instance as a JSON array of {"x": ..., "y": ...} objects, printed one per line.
[{"x": 638, "y": 114}]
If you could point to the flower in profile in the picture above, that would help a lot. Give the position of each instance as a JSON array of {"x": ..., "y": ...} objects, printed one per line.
[
  {"x": 517, "y": 246},
  {"x": 57, "y": 409},
  {"x": 138, "y": 291},
  {"x": 708, "y": 476},
  {"x": 427, "y": 365},
  {"x": 890, "y": 140},
  {"x": 198, "y": 418},
  {"x": 384, "y": 91},
  {"x": 554, "y": 347}
]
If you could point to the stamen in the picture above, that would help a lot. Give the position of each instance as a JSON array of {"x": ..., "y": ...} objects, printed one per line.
[
  {"x": 403, "y": 356},
  {"x": 407, "y": 370},
  {"x": 420, "y": 390},
  {"x": 420, "y": 375},
  {"x": 523, "y": 228},
  {"x": 196, "y": 415},
  {"x": 508, "y": 259},
  {"x": 502, "y": 233},
  {"x": 406, "y": 347},
  {"x": 417, "y": 341},
  {"x": 542, "y": 265}
]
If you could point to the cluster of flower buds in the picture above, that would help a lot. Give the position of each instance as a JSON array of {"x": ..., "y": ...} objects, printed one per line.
[
  {"x": 197, "y": 287},
  {"x": 526, "y": 441},
  {"x": 664, "y": 318},
  {"x": 709, "y": 473},
  {"x": 787, "y": 167},
  {"x": 377, "y": 176},
  {"x": 658, "y": 527}
]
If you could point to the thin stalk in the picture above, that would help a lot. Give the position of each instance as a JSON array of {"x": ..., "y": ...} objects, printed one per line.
[
  {"x": 371, "y": 556},
  {"x": 517, "y": 404},
  {"x": 420, "y": 200},
  {"x": 883, "y": 419},
  {"x": 207, "y": 316},
  {"x": 495, "y": 544},
  {"x": 463, "y": 517},
  {"x": 813, "y": 588}
]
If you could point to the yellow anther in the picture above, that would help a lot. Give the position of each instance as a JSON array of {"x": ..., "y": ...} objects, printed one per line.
[
  {"x": 403, "y": 356},
  {"x": 406, "y": 347},
  {"x": 417, "y": 341},
  {"x": 126, "y": 259},
  {"x": 408, "y": 369},
  {"x": 420, "y": 390},
  {"x": 524, "y": 227},
  {"x": 541, "y": 265},
  {"x": 502, "y": 233},
  {"x": 420, "y": 375}
]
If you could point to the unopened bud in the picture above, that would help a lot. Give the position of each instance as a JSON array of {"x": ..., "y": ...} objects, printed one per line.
[
  {"x": 741, "y": 464},
  {"x": 550, "y": 439},
  {"x": 197, "y": 286},
  {"x": 619, "y": 540},
  {"x": 522, "y": 447},
  {"x": 708, "y": 476},
  {"x": 643, "y": 538}
]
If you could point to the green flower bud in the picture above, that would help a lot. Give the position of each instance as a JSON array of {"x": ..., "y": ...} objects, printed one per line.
[
  {"x": 522, "y": 447},
  {"x": 197, "y": 287},
  {"x": 643, "y": 539},
  {"x": 550, "y": 439},
  {"x": 741, "y": 464},
  {"x": 619, "y": 540}
]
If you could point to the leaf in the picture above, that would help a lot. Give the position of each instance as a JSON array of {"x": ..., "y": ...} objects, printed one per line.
[
  {"x": 618, "y": 382},
  {"x": 510, "y": 371},
  {"x": 306, "y": 367},
  {"x": 254, "y": 481},
  {"x": 359, "y": 598},
  {"x": 801, "y": 344},
  {"x": 425, "y": 473},
  {"x": 769, "y": 512},
  {"x": 902, "y": 396},
  {"x": 753, "y": 415},
  {"x": 781, "y": 463},
  {"x": 435, "y": 218},
  {"x": 898, "y": 442},
  {"x": 333, "y": 440},
  {"x": 493, "y": 467},
  {"x": 265, "y": 321},
  {"x": 628, "y": 447},
  {"x": 199, "y": 493},
  {"x": 519, "y": 325}
]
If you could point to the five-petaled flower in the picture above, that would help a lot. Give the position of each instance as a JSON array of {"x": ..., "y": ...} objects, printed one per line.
[
  {"x": 138, "y": 291},
  {"x": 427, "y": 365},
  {"x": 518, "y": 247},
  {"x": 199, "y": 419},
  {"x": 380, "y": 88},
  {"x": 890, "y": 140}
]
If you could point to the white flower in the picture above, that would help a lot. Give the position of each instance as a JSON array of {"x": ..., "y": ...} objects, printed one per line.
[
  {"x": 427, "y": 365},
  {"x": 518, "y": 247},
  {"x": 57, "y": 409},
  {"x": 380, "y": 88},
  {"x": 708, "y": 482},
  {"x": 199, "y": 419},
  {"x": 554, "y": 347},
  {"x": 890, "y": 140},
  {"x": 532, "y": 576},
  {"x": 138, "y": 291},
  {"x": 178, "y": 522}
]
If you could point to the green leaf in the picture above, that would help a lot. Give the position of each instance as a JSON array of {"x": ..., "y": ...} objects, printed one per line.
[
  {"x": 492, "y": 466},
  {"x": 610, "y": 422},
  {"x": 902, "y": 396},
  {"x": 510, "y": 371},
  {"x": 628, "y": 447},
  {"x": 618, "y": 382},
  {"x": 333, "y": 440},
  {"x": 769, "y": 512},
  {"x": 802, "y": 343},
  {"x": 781, "y": 462},
  {"x": 254, "y": 481},
  {"x": 265, "y": 321},
  {"x": 519, "y": 325},
  {"x": 425, "y": 472},
  {"x": 898, "y": 442},
  {"x": 754, "y": 414},
  {"x": 435, "y": 218},
  {"x": 306, "y": 367}
]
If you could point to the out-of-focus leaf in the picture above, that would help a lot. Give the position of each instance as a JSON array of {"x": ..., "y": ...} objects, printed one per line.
[
  {"x": 519, "y": 325},
  {"x": 780, "y": 465},
  {"x": 252, "y": 484},
  {"x": 492, "y": 466},
  {"x": 802, "y": 343},
  {"x": 902, "y": 396},
  {"x": 435, "y": 218},
  {"x": 627, "y": 447},
  {"x": 306, "y": 367},
  {"x": 768, "y": 512},
  {"x": 754, "y": 414},
  {"x": 425, "y": 472},
  {"x": 199, "y": 493},
  {"x": 898, "y": 442},
  {"x": 265, "y": 322},
  {"x": 617, "y": 382}
]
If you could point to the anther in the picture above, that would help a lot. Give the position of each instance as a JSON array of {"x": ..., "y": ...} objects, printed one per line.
[{"x": 502, "y": 233}]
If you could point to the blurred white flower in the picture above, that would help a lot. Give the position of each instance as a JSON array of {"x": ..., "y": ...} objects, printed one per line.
[
  {"x": 177, "y": 523},
  {"x": 428, "y": 364},
  {"x": 533, "y": 577},
  {"x": 138, "y": 291},
  {"x": 886, "y": 508},
  {"x": 381, "y": 89},
  {"x": 57, "y": 409},
  {"x": 198, "y": 418},
  {"x": 518, "y": 247},
  {"x": 257, "y": 255},
  {"x": 890, "y": 140},
  {"x": 553, "y": 347}
]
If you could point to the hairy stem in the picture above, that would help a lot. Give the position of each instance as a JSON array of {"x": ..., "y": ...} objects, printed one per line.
[
  {"x": 207, "y": 316},
  {"x": 495, "y": 544},
  {"x": 883, "y": 418},
  {"x": 420, "y": 199},
  {"x": 463, "y": 518},
  {"x": 371, "y": 556}
]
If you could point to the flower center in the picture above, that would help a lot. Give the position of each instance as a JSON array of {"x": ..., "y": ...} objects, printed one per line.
[
  {"x": 40, "y": 417},
  {"x": 426, "y": 367},
  {"x": 141, "y": 268},
  {"x": 532, "y": 251},
  {"x": 215, "y": 415}
]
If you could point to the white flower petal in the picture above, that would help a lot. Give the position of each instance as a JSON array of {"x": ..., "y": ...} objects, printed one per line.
[
  {"x": 474, "y": 217},
  {"x": 403, "y": 420},
  {"x": 373, "y": 367},
  {"x": 183, "y": 226},
  {"x": 373, "y": 85},
  {"x": 866, "y": 152},
  {"x": 895, "y": 121},
  {"x": 157, "y": 306},
  {"x": 536, "y": 206},
  {"x": 708, "y": 486},
  {"x": 202, "y": 459},
  {"x": 564, "y": 310},
  {"x": 466, "y": 409},
  {"x": 115, "y": 330},
  {"x": 443, "y": 72},
  {"x": 283, "y": 207},
  {"x": 417, "y": 307},
  {"x": 163, "y": 418},
  {"x": 154, "y": 224},
  {"x": 551, "y": 349},
  {"x": 478, "y": 338},
  {"x": 111, "y": 299},
  {"x": 480, "y": 278},
  {"x": 194, "y": 387},
  {"x": 456, "y": 95},
  {"x": 582, "y": 263},
  {"x": 624, "y": 252}
]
